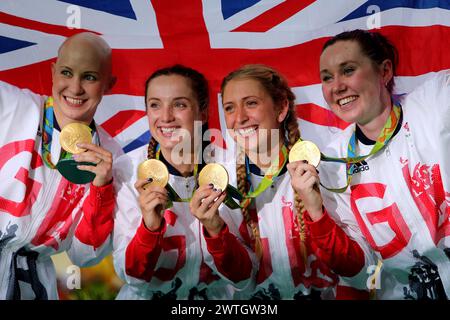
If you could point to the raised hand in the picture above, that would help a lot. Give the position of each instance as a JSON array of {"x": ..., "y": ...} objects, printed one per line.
[
  {"x": 101, "y": 157},
  {"x": 204, "y": 206},
  {"x": 305, "y": 181},
  {"x": 152, "y": 201}
]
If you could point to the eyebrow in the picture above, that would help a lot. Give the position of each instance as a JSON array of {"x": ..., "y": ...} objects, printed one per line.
[
  {"x": 244, "y": 98},
  {"x": 176, "y": 98},
  {"x": 179, "y": 98},
  {"x": 249, "y": 97},
  {"x": 69, "y": 68},
  {"x": 342, "y": 64}
]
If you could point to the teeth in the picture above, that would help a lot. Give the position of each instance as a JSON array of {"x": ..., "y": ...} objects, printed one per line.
[
  {"x": 347, "y": 100},
  {"x": 168, "y": 130},
  {"x": 74, "y": 101},
  {"x": 246, "y": 131}
]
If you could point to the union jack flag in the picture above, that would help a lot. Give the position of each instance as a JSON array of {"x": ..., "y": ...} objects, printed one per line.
[{"x": 215, "y": 37}]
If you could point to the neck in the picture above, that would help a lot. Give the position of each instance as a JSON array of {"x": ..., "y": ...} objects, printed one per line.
[
  {"x": 264, "y": 159},
  {"x": 62, "y": 121},
  {"x": 59, "y": 118},
  {"x": 372, "y": 128},
  {"x": 184, "y": 167}
]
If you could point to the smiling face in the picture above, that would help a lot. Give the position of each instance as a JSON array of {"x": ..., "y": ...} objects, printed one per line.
[
  {"x": 172, "y": 108},
  {"x": 80, "y": 75},
  {"x": 354, "y": 88},
  {"x": 251, "y": 114}
]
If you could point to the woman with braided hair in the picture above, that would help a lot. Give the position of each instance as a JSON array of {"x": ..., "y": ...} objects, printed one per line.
[
  {"x": 161, "y": 249},
  {"x": 297, "y": 256}
]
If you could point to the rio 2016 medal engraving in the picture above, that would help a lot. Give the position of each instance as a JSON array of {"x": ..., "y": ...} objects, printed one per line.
[
  {"x": 154, "y": 169},
  {"x": 214, "y": 173},
  {"x": 305, "y": 150},
  {"x": 72, "y": 134}
]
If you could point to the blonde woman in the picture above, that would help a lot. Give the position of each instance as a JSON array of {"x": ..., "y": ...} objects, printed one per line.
[{"x": 297, "y": 256}]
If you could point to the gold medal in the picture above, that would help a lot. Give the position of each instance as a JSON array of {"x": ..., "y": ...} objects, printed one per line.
[
  {"x": 72, "y": 134},
  {"x": 214, "y": 173},
  {"x": 154, "y": 169},
  {"x": 305, "y": 150}
]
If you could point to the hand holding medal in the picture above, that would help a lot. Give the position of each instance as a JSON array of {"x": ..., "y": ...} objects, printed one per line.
[
  {"x": 154, "y": 171},
  {"x": 214, "y": 174},
  {"x": 83, "y": 161},
  {"x": 304, "y": 157},
  {"x": 213, "y": 181},
  {"x": 153, "y": 177},
  {"x": 305, "y": 150}
]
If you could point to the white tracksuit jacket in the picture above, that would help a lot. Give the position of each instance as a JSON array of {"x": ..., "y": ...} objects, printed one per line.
[
  {"x": 41, "y": 213},
  {"x": 400, "y": 197},
  {"x": 175, "y": 262},
  {"x": 281, "y": 273}
]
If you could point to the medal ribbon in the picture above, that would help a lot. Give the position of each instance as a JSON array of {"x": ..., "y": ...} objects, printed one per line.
[
  {"x": 47, "y": 135},
  {"x": 382, "y": 140},
  {"x": 274, "y": 170}
]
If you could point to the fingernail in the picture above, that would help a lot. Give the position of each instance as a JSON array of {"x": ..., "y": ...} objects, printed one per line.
[
  {"x": 214, "y": 189},
  {"x": 219, "y": 190},
  {"x": 305, "y": 161},
  {"x": 150, "y": 179},
  {"x": 210, "y": 185}
]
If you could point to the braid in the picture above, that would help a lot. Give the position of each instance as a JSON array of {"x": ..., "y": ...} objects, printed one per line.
[
  {"x": 243, "y": 187},
  {"x": 241, "y": 173},
  {"x": 300, "y": 209},
  {"x": 293, "y": 134},
  {"x": 280, "y": 92},
  {"x": 151, "y": 153}
]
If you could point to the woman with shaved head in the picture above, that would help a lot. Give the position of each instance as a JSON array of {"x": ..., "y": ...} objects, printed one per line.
[{"x": 56, "y": 192}]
